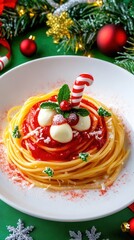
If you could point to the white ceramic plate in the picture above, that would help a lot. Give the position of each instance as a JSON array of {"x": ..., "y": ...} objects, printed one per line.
[{"x": 114, "y": 87}]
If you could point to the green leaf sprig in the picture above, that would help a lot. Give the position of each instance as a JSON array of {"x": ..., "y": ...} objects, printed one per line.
[
  {"x": 103, "y": 113},
  {"x": 48, "y": 171},
  {"x": 83, "y": 156},
  {"x": 16, "y": 132},
  {"x": 64, "y": 94}
]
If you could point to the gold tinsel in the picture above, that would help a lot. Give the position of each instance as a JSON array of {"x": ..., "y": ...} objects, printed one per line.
[{"x": 59, "y": 26}]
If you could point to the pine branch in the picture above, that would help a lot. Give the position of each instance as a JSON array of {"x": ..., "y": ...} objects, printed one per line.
[
  {"x": 89, "y": 18},
  {"x": 126, "y": 59},
  {"x": 26, "y": 15}
]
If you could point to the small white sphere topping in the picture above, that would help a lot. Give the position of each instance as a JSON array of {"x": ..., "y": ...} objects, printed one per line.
[
  {"x": 45, "y": 117},
  {"x": 83, "y": 124},
  {"x": 61, "y": 133}
]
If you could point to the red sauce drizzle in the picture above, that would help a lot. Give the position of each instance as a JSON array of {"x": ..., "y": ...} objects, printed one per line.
[{"x": 35, "y": 143}]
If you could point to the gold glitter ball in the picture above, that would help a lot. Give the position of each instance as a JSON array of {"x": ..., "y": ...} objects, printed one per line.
[{"x": 59, "y": 26}]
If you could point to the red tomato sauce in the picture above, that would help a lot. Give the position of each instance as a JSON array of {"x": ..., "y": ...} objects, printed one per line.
[{"x": 55, "y": 151}]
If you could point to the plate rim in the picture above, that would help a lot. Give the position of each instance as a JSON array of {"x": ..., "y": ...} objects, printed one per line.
[{"x": 42, "y": 59}]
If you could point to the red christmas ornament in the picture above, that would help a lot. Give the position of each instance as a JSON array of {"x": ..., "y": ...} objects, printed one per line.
[
  {"x": 28, "y": 46},
  {"x": 128, "y": 226},
  {"x": 111, "y": 39}
]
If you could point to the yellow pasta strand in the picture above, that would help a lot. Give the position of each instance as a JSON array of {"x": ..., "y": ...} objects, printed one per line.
[{"x": 101, "y": 166}]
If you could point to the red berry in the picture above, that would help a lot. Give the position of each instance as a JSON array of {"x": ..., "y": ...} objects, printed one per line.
[
  {"x": 59, "y": 119},
  {"x": 73, "y": 119},
  {"x": 65, "y": 105}
]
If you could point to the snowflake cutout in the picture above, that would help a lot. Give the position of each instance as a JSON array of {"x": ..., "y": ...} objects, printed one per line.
[
  {"x": 76, "y": 236},
  {"x": 91, "y": 234},
  {"x": 20, "y": 232}
]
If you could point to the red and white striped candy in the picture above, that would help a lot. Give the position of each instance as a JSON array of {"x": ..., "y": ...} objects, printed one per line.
[
  {"x": 5, "y": 59},
  {"x": 3, "y": 62},
  {"x": 78, "y": 88}
]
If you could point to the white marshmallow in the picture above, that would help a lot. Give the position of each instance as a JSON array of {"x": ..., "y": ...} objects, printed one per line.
[
  {"x": 62, "y": 133},
  {"x": 45, "y": 117},
  {"x": 83, "y": 124}
]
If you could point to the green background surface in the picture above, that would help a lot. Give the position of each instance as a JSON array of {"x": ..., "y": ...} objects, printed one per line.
[{"x": 44, "y": 229}]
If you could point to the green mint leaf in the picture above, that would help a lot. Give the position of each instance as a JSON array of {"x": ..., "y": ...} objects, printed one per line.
[
  {"x": 81, "y": 111},
  {"x": 50, "y": 105},
  {"x": 48, "y": 171},
  {"x": 83, "y": 156},
  {"x": 104, "y": 113},
  {"x": 58, "y": 110},
  {"x": 65, "y": 114},
  {"x": 64, "y": 93},
  {"x": 16, "y": 132}
]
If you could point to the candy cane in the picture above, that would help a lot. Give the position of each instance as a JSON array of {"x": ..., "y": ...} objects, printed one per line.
[
  {"x": 78, "y": 88},
  {"x": 5, "y": 59}
]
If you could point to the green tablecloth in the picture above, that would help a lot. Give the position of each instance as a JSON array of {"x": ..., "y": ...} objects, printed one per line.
[{"x": 44, "y": 229}]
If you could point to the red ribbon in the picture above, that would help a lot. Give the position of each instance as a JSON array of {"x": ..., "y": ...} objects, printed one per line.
[
  {"x": 131, "y": 207},
  {"x": 7, "y": 3}
]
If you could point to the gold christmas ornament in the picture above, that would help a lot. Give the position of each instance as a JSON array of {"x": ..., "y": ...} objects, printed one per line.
[{"x": 59, "y": 26}]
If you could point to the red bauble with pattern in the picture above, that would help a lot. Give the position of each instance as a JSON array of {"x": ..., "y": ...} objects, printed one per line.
[
  {"x": 131, "y": 224},
  {"x": 28, "y": 47},
  {"x": 111, "y": 39}
]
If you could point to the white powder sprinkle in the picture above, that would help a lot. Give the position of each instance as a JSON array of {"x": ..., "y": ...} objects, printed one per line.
[
  {"x": 58, "y": 118},
  {"x": 75, "y": 133},
  {"x": 103, "y": 187},
  {"x": 47, "y": 140},
  {"x": 99, "y": 132}
]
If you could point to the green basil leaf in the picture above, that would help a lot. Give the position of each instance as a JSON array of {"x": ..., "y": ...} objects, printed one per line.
[
  {"x": 16, "y": 132},
  {"x": 48, "y": 171},
  {"x": 66, "y": 114},
  {"x": 58, "y": 110},
  {"x": 83, "y": 156},
  {"x": 104, "y": 113},
  {"x": 49, "y": 105},
  {"x": 81, "y": 111},
  {"x": 64, "y": 93}
]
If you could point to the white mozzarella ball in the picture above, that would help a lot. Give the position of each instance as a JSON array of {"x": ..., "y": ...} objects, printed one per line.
[
  {"x": 45, "y": 117},
  {"x": 62, "y": 133},
  {"x": 83, "y": 124}
]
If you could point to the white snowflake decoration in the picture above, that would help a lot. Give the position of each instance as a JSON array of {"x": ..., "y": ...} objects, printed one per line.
[
  {"x": 76, "y": 236},
  {"x": 91, "y": 234},
  {"x": 20, "y": 232}
]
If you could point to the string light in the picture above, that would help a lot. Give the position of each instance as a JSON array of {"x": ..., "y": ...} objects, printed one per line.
[
  {"x": 99, "y": 3},
  {"x": 20, "y": 10}
]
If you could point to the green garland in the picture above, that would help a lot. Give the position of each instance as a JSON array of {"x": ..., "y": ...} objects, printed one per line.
[
  {"x": 126, "y": 59},
  {"x": 91, "y": 18},
  {"x": 87, "y": 19},
  {"x": 26, "y": 15}
]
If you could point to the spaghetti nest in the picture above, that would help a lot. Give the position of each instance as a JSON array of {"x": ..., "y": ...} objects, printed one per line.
[{"x": 93, "y": 158}]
